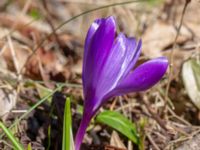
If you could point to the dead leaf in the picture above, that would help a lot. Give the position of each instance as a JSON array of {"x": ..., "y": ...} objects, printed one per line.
[
  {"x": 116, "y": 141},
  {"x": 191, "y": 79},
  {"x": 22, "y": 53},
  {"x": 160, "y": 36},
  {"x": 47, "y": 64},
  {"x": 77, "y": 68},
  {"x": 7, "y": 101}
]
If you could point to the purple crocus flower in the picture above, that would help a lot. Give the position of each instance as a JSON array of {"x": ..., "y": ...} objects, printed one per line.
[{"x": 107, "y": 69}]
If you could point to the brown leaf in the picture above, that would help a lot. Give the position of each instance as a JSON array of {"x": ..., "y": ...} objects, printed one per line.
[
  {"x": 116, "y": 141},
  {"x": 161, "y": 36},
  {"x": 22, "y": 53}
]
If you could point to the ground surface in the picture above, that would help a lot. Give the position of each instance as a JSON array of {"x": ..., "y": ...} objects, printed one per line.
[{"x": 38, "y": 53}]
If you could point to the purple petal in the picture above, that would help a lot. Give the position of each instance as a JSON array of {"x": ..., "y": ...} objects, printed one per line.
[
  {"x": 110, "y": 72},
  {"x": 123, "y": 56},
  {"x": 133, "y": 53},
  {"x": 143, "y": 77},
  {"x": 109, "y": 75},
  {"x": 125, "y": 64},
  {"x": 95, "y": 25},
  {"x": 98, "y": 50}
]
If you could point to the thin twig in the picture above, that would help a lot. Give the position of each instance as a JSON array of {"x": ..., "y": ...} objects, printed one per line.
[
  {"x": 153, "y": 142},
  {"x": 171, "y": 58},
  {"x": 154, "y": 116},
  {"x": 177, "y": 117},
  {"x": 13, "y": 54},
  {"x": 49, "y": 20}
]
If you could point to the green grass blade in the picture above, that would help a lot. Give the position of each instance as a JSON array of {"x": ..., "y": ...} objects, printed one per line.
[
  {"x": 32, "y": 108},
  {"x": 36, "y": 105},
  {"x": 67, "y": 126},
  {"x": 15, "y": 142}
]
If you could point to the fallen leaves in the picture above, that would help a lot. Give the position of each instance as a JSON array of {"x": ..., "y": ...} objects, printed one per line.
[
  {"x": 116, "y": 141},
  {"x": 8, "y": 97},
  {"x": 161, "y": 36}
]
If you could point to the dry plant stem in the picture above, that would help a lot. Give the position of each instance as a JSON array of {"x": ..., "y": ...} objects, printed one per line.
[
  {"x": 121, "y": 106},
  {"x": 16, "y": 63},
  {"x": 153, "y": 142},
  {"x": 171, "y": 58},
  {"x": 13, "y": 53},
  {"x": 126, "y": 106},
  {"x": 179, "y": 130},
  {"x": 113, "y": 104},
  {"x": 183, "y": 139},
  {"x": 177, "y": 117},
  {"x": 26, "y": 6},
  {"x": 15, "y": 60},
  {"x": 75, "y": 17},
  {"x": 156, "y": 117},
  {"x": 6, "y": 143},
  {"x": 48, "y": 18},
  {"x": 160, "y": 135},
  {"x": 130, "y": 145},
  {"x": 192, "y": 144}
]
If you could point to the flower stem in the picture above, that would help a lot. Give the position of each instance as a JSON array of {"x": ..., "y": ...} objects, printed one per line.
[{"x": 82, "y": 129}]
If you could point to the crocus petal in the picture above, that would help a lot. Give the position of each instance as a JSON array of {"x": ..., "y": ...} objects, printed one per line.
[
  {"x": 123, "y": 56},
  {"x": 133, "y": 52},
  {"x": 143, "y": 77},
  {"x": 110, "y": 73},
  {"x": 89, "y": 36},
  {"x": 98, "y": 51}
]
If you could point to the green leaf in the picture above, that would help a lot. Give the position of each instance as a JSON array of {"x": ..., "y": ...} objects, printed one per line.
[
  {"x": 13, "y": 139},
  {"x": 67, "y": 141},
  {"x": 191, "y": 79},
  {"x": 119, "y": 123}
]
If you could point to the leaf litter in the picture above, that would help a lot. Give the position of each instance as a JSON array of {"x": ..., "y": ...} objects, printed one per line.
[{"x": 59, "y": 59}]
